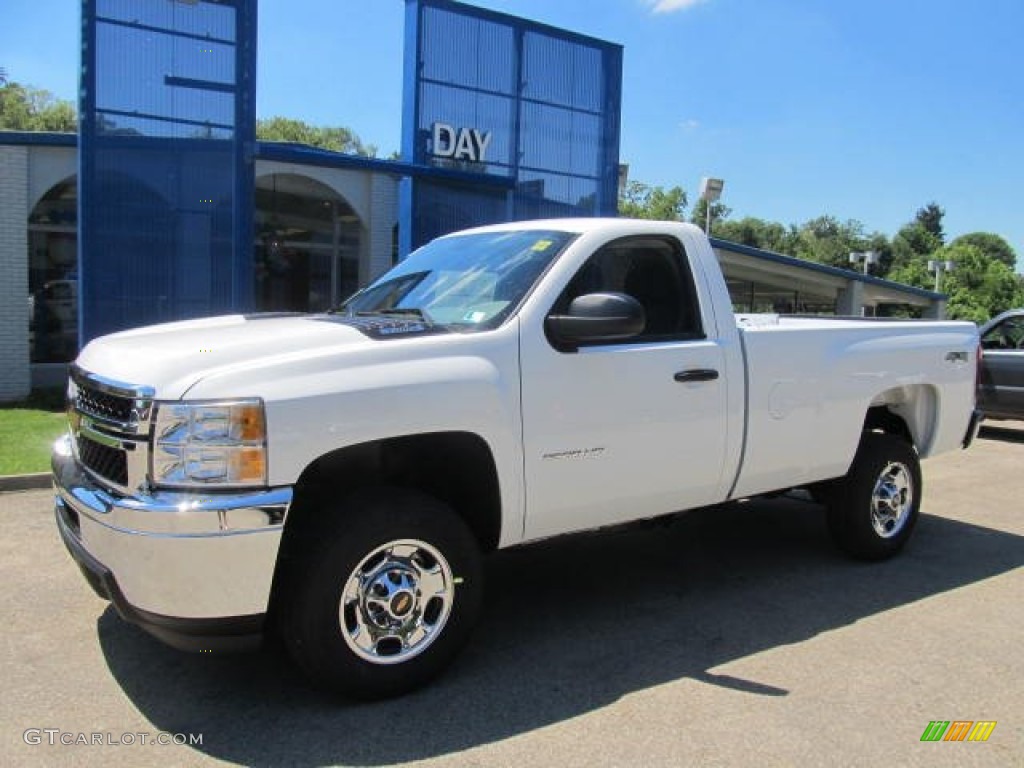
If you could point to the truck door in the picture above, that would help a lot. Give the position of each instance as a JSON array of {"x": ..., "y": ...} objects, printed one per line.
[{"x": 620, "y": 431}]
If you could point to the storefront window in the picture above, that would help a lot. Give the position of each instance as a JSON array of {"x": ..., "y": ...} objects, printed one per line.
[
  {"x": 53, "y": 275},
  {"x": 307, "y": 245},
  {"x": 755, "y": 297}
]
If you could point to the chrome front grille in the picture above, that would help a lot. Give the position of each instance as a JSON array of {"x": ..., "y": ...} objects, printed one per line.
[
  {"x": 103, "y": 405},
  {"x": 110, "y": 428},
  {"x": 103, "y": 460}
]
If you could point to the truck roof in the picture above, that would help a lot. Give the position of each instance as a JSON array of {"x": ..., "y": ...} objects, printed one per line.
[{"x": 591, "y": 224}]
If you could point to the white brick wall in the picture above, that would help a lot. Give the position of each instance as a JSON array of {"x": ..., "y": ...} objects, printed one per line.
[
  {"x": 15, "y": 374},
  {"x": 384, "y": 216}
]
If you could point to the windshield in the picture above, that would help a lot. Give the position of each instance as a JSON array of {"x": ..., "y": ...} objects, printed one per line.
[{"x": 466, "y": 282}]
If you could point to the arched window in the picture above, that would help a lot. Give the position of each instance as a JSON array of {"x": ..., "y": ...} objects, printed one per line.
[
  {"x": 53, "y": 274},
  {"x": 306, "y": 247}
]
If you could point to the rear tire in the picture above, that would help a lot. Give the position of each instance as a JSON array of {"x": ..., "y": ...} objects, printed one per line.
[
  {"x": 385, "y": 598},
  {"x": 873, "y": 509}
]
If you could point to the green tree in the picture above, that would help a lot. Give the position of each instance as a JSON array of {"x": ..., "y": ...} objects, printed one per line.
[
  {"x": 757, "y": 233},
  {"x": 979, "y": 287},
  {"x": 334, "y": 138},
  {"x": 911, "y": 242},
  {"x": 991, "y": 244},
  {"x": 921, "y": 237},
  {"x": 643, "y": 201},
  {"x": 930, "y": 218},
  {"x": 23, "y": 108},
  {"x": 827, "y": 240}
]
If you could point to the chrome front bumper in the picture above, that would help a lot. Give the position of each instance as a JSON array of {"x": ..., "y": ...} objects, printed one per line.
[{"x": 195, "y": 570}]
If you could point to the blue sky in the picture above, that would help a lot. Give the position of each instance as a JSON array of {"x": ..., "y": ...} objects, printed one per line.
[{"x": 862, "y": 109}]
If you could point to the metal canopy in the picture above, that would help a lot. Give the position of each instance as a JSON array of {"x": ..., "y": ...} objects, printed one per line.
[{"x": 768, "y": 275}]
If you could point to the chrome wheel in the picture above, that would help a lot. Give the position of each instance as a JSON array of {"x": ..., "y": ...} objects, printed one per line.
[
  {"x": 873, "y": 509},
  {"x": 892, "y": 500},
  {"x": 396, "y": 601}
]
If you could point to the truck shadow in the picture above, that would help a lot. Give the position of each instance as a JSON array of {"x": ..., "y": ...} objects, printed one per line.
[
  {"x": 571, "y": 626},
  {"x": 1004, "y": 434}
]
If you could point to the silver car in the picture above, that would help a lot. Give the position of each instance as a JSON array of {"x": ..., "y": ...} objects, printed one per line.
[{"x": 1001, "y": 393}]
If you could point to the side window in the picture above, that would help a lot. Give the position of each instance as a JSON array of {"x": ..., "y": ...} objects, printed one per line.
[
  {"x": 1009, "y": 334},
  {"x": 653, "y": 271}
]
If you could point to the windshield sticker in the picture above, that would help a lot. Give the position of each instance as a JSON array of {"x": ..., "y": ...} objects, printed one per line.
[
  {"x": 541, "y": 245},
  {"x": 474, "y": 316}
]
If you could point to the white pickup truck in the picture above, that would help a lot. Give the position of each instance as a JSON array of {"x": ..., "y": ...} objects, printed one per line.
[{"x": 337, "y": 477}]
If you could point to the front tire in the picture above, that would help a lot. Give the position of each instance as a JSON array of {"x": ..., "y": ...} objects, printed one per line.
[
  {"x": 386, "y": 597},
  {"x": 873, "y": 509}
]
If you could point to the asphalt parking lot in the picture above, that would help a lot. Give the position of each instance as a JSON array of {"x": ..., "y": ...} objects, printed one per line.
[{"x": 731, "y": 636}]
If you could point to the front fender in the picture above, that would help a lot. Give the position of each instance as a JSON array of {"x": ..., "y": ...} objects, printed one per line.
[{"x": 392, "y": 389}]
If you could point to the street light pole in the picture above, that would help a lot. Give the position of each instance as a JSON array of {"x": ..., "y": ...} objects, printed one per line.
[
  {"x": 938, "y": 267},
  {"x": 710, "y": 191}
]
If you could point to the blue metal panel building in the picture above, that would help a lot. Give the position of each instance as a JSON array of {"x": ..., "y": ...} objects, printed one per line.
[
  {"x": 503, "y": 119},
  {"x": 167, "y": 126},
  {"x": 500, "y": 96}
]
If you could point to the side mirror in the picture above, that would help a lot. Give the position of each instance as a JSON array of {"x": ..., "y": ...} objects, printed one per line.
[{"x": 597, "y": 317}]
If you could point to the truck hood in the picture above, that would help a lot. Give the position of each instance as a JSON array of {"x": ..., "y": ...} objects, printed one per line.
[{"x": 173, "y": 357}]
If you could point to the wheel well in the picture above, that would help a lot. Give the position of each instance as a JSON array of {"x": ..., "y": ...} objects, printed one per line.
[
  {"x": 454, "y": 467},
  {"x": 880, "y": 419}
]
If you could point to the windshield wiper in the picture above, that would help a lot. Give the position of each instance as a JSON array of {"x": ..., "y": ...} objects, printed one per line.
[{"x": 400, "y": 311}]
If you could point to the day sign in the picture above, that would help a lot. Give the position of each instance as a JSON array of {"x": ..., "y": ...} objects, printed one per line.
[{"x": 460, "y": 143}]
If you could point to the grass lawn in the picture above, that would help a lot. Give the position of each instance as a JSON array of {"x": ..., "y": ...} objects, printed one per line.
[{"x": 27, "y": 431}]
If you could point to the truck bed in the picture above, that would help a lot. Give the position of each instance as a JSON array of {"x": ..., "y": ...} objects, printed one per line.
[{"x": 819, "y": 376}]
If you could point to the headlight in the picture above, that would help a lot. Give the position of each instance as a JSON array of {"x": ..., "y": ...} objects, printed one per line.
[{"x": 204, "y": 444}]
